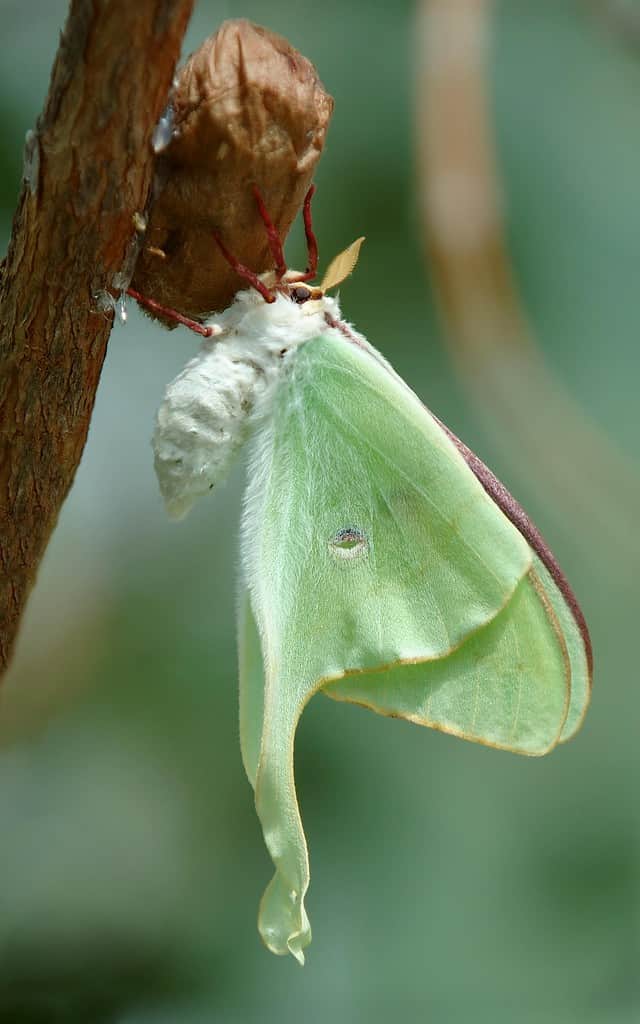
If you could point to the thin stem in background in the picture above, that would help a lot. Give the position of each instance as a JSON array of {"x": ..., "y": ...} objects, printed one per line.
[{"x": 596, "y": 489}]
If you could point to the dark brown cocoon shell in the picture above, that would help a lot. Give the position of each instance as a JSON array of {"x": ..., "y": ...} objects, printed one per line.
[{"x": 248, "y": 109}]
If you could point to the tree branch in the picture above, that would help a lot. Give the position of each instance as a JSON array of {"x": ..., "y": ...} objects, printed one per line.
[{"x": 88, "y": 170}]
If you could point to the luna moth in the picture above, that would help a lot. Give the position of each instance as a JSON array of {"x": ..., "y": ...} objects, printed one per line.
[{"x": 382, "y": 563}]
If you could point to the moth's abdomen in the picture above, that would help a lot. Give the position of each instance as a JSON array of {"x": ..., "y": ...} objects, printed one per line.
[
  {"x": 206, "y": 412},
  {"x": 202, "y": 422}
]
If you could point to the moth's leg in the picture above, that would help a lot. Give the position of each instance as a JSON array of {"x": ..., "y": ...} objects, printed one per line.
[
  {"x": 275, "y": 242},
  {"x": 312, "y": 242},
  {"x": 243, "y": 271},
  {"x": 206, "y": 331},
  {"x": 277, "y": 251}
]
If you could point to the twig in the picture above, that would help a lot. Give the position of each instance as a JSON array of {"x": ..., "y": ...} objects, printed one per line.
[
  {"x": 620, "y": 19},
  {"x": 88, "y": 170}
]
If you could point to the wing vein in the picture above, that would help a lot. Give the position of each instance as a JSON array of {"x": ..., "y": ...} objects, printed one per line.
[{"x": 363, "y": 439}]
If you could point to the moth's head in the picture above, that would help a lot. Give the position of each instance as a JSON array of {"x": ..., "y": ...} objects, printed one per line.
[
  {"x": 296, "y": 288},
  {"x": 301, "y": 293},
  {"x": 293, "y": 287},
  {"x": 293, "y": 284}
]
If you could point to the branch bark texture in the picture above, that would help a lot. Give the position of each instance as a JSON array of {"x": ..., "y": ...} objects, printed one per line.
[{"x": 88, "y": 170}]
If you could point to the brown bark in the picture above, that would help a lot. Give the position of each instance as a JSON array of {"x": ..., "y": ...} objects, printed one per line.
[{"x": 89, "y": 172}]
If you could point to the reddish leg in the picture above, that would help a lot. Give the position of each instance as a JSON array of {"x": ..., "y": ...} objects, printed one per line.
[
  {"x": 243, "y": 271},
  {"x": 172, "y": 314},
  {"x": 312, "y": 242},
  {"x": 275, "y": 242}
]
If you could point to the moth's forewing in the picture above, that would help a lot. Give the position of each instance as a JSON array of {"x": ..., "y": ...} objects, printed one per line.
[{"x": 367, "y": 542}]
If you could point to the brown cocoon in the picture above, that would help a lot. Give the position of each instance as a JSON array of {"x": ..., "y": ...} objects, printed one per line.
[{"x": 248, "y": 108}]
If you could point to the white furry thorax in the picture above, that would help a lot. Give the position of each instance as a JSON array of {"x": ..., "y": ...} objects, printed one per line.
[{"x": 207, "y": 410}]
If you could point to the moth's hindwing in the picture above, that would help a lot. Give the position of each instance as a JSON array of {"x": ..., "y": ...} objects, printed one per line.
[
  {"x": 578, "y": 650},
  {"x": 507, "y": 686}
]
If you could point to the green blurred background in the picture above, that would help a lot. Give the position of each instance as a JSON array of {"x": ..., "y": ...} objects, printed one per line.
[{"x": 449, "y": 882}]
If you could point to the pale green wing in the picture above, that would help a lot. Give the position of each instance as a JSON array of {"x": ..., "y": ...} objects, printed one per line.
[
  {"x": 507, "y": 686},
  {"x": 577, "y": 650},
  {"x": 283, "y": 922},
  {"x": 556, "y": 589},
  {"x": 251, "y": 687},
  {"x": 367, "y": 541}
]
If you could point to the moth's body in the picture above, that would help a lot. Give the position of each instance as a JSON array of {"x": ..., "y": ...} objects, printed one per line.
[
  {"x": 382, "y": 563},
  {"x": 207, "y": 410}
]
